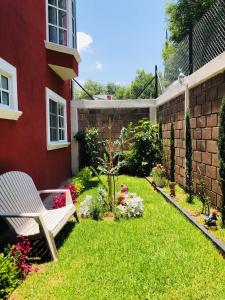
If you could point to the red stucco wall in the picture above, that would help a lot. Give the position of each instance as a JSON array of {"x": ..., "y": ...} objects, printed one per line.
[{"x": 23, "y": 142}]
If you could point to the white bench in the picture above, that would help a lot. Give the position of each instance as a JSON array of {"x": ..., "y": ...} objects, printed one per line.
[{"x": 21, "y": 205}]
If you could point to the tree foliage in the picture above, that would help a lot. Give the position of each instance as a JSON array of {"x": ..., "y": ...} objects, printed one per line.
[
  {"x": 221, "y": 148},
  {"x": 144, "y": 149},
  {"x": 183, "y": 12},
  {"x": 118, "y": 91},
  {"x": 181, "y": 16}
]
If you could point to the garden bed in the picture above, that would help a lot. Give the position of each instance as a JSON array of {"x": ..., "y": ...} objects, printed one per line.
[
  {"x": 159, "y": 256},
  {"x": 192, "y": 211}
]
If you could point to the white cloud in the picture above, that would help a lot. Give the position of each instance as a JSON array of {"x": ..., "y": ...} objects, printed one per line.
[
  {"x": 99, "y": 66},
  {"x": 84, "y": 41}
]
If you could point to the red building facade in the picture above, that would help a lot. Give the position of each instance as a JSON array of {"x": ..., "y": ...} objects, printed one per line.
[{"x": 38, "y": 58}]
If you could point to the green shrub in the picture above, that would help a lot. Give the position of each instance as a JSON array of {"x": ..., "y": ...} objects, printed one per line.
[
  {"x": 144, "y": 150},
  {"x": 89, "y": 147},
  {"x": 81, "y": 179},
  {"x": 9, "y": 274},
  {"x": 85, "y": 175}
]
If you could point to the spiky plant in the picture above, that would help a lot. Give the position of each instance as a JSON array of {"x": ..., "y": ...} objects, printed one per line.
[
  {"x": 160, "y": 141},
  {"x": 188, "y": 156},
  {"x": 172, "y": 154},
  {"x": 221, "y": 149}
]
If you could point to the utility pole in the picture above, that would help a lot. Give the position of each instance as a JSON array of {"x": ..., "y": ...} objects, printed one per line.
[{"x": 156, "y": 82}]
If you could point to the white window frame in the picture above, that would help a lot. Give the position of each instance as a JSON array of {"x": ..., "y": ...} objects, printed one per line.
[
  {"x": 55, "y": 97},
  {"x": 69, "y": 26},
  {"x": 10, "y": 111}
]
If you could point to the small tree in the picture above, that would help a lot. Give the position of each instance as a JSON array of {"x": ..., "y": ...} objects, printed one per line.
[
  {"x": 188, "y": 156},
  {"x": 172, "y": 159},
  {"x": 160, "y": 141},
  {"x": 221, "y": 148}
]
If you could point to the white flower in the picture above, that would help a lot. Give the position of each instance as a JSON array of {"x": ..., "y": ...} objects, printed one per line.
[
  {"x": 85, "y": 206},
  {"x": 133, "y": 206}
]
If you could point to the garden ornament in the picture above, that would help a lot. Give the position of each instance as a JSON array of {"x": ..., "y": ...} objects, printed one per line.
[{"x": 211, "y": 219}]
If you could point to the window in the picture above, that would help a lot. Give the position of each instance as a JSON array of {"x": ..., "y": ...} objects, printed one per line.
[
  {"x": 8, "y": 92},
  {"x": 57, "y": 122},
  {"x": 61, "y": 16},
  {"x": 56, "y": 118},
  {"x": 4, "y": 90}
]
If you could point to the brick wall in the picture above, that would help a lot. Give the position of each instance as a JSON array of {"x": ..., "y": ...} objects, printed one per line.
[
  {"x": 205, "y": 101},
  {"x": 99, "y": 118}
]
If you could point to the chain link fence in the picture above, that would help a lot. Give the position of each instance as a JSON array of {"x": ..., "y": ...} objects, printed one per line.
[{"x": 208, "y": 41}]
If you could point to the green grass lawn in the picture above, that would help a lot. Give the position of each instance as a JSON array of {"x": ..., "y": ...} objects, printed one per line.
[{"x": 160, "y": 256}]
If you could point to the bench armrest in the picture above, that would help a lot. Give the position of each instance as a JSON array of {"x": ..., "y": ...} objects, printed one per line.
[
  {"x": 35, "y": 216},
  {"x": 67, "y": 192}
]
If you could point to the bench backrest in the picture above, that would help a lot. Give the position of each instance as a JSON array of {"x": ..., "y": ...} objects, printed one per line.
[{"x": 18, "y": 194}]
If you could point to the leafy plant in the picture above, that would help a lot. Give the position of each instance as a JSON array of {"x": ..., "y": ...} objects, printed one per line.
[
  {"x": 221, "y": 148},
  {"x": 188, "y": 156},
  {"x": 158, "y": 171},
  {"x": 9, "y": 274},
  {"x": 89, "y": 147},
  {"x": 85, "y": 175},
  {"x": 81, "y": 179},
  {"x": 144, "y": 149}
]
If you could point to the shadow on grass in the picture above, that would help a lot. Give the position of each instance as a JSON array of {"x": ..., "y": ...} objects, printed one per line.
[
  {"x": 40, "y": 252},
  {"x": 91, "y": 185}
]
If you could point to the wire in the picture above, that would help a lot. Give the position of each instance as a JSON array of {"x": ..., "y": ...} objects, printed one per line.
[{"x": 89, "y": 95}]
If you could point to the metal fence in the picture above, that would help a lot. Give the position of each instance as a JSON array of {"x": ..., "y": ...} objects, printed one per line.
[{"x": 204, "y": 43}]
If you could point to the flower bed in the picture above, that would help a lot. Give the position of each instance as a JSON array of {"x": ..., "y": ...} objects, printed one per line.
[
  {"x": 127, "y": 205},
  {"x": 194, "y": 209}
]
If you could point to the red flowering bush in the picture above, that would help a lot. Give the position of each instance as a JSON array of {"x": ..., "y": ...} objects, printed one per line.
[
  {"x": 20, "y": 253},
  {"x": 73, "y": 191},
  {"x": 60, "y": 200}
]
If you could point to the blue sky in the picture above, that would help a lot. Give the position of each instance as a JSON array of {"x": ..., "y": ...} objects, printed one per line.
[{"x": 116, "y": 38}]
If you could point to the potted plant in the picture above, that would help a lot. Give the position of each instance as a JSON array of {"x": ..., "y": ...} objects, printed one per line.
[{"x": 159, "y": 175}]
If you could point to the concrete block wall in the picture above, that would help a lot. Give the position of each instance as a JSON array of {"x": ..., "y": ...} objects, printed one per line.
[
  {"x": 205, "y": 102},
  {"x": 99, "y": 118}
]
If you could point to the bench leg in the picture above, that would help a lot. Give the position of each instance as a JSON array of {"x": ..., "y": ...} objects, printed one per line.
[
  {"x": 52, "y": 246},
  {"x": 50, "y": 240},
  {"x": 76, "y": 217}
]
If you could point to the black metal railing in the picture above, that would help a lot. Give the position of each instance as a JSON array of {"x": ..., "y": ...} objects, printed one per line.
[{"x": 205, "y": 41}]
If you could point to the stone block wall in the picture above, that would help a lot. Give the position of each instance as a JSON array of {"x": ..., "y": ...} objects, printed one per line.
[
  {"x": 205, "y": 102},
  {"x": 173, "y": 111},
  {"x": 99, "y": 118}
]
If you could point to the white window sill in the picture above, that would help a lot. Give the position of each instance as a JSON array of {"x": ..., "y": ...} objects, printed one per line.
[
  {"x": 10, "y": 114},
  {"x": 63, "y": 49},
  {"x": 51, "y": 147}
]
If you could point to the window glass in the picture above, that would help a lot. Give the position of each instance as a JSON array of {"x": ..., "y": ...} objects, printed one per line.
[
  {"x": 57, "y": 123},
  {"x": 5, "y": 83},
  {"x": 62, "y": 4},
  {"x": 4, "y": 90},
  {"x": 58, "y": 22}
]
